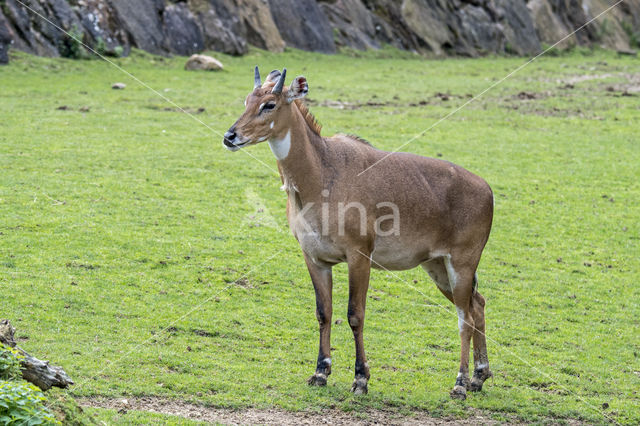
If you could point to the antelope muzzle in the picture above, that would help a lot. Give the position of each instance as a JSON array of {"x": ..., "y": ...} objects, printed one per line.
[{"x": 232, "y": 141}]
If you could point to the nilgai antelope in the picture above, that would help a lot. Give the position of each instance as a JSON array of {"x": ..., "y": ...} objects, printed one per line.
[{"x": 405, "y": 211}]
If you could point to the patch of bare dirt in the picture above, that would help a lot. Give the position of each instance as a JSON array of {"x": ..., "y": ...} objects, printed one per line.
[
  {"x": 436, "y": 99},
  {"x": 274, "y": 416},
  {"x": 584, "y": 77}
]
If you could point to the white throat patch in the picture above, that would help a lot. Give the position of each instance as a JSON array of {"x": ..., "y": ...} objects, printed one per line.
[{"x": 281, "y": 147}]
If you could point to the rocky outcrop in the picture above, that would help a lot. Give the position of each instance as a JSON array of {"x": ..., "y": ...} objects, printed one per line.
[
  {"x": 357, "y": 26},
  {"x": 181, "y": 33},
  {"x": 433, "y": 27},
  {"x": 303, "y": 25}
]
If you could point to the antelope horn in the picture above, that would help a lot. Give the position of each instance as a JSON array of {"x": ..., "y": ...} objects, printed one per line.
[
  {"x": 256, "y": 78},
  {"x": 277, "y": 89}
]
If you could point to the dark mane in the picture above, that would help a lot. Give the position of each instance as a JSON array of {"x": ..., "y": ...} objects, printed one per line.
[
  {"x": 358, "y": 139},
  {"x": 308, "y": 117}
]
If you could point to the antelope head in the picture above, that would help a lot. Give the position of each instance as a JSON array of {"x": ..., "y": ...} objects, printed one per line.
[{"x": 268, "y": 110}]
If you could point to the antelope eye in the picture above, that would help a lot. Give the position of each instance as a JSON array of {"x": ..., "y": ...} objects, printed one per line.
[{"x": 268, "y": 106}]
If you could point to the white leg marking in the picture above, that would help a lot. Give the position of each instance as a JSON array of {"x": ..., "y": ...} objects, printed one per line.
[
  {"x": 482, "y": 366},
  {"x": 280, "y": 147},
  {"x": 327, "y": 361},
  {"x": 460, "y": 319},
  {"x": 453, "y": 276}
]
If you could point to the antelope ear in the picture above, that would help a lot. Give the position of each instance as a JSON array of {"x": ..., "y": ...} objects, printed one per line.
[{"x": 298, "y": 89}]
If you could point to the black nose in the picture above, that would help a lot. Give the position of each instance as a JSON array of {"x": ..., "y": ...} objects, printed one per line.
[{"x": 228, "y": 137}]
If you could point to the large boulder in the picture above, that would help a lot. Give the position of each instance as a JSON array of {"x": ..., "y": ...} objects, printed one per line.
[{"x": 303, "y": 25}]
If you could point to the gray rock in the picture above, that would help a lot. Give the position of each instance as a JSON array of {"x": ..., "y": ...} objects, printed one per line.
[
  {"x": 222, "y": 28},
  {"x": 428, "y": 21},
  {"x": 141, "y": 21},
  {"x": 182, "y": 35},
  {"x": 103, "y": 29},
  {"x": 261, "y": 30},
  {"x": 6, "y": 38},
  {"x": 479, "y": 33},
  {"x": 303, "y": 25},
  {"x": 354, "y": 25},
  {"x": 519, "y": 30},
  {"x": 31, "y": 39}
]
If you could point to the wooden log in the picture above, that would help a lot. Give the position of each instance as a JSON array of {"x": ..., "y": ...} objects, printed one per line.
[{"x": 36, "y": 371}]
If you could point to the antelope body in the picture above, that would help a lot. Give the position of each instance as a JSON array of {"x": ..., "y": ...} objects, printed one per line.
[{"x": 403, "y": 211}]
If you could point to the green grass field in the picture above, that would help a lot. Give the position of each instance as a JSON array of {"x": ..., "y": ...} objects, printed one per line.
[{"x": 146, "y": 259}]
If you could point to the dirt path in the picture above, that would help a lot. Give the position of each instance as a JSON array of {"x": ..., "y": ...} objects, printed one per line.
[{"x": 272, "y": 416}]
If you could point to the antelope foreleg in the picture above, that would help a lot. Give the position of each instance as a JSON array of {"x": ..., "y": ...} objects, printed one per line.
[{"x": 321, "y": 278}]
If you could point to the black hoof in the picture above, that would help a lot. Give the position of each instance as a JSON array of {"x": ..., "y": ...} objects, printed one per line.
[
  {"x": 479, "y": 376},
  {"x": 317, "y": 379},
  {"x": 459, "y": 392},
  {"x": 476, "y": 386},
  {"x": 359, "y": 386}
]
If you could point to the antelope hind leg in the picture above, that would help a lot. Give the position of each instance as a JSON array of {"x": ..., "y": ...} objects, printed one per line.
[
  {"x": 461, "y": 278},
  {"x": 359, "y": 270},
  {"x": 481, "y": 370}
]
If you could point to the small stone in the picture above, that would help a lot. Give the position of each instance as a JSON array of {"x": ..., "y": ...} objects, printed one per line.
[
  {"x": 338, "y": 322},
  {"x": 85, "y": 109},
  {"x": 118, "y": 86},
  {"x": 62, "y": 108}
]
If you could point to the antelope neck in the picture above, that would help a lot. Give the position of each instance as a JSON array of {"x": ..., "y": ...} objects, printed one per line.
[{"x": 298, "y": 154}]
